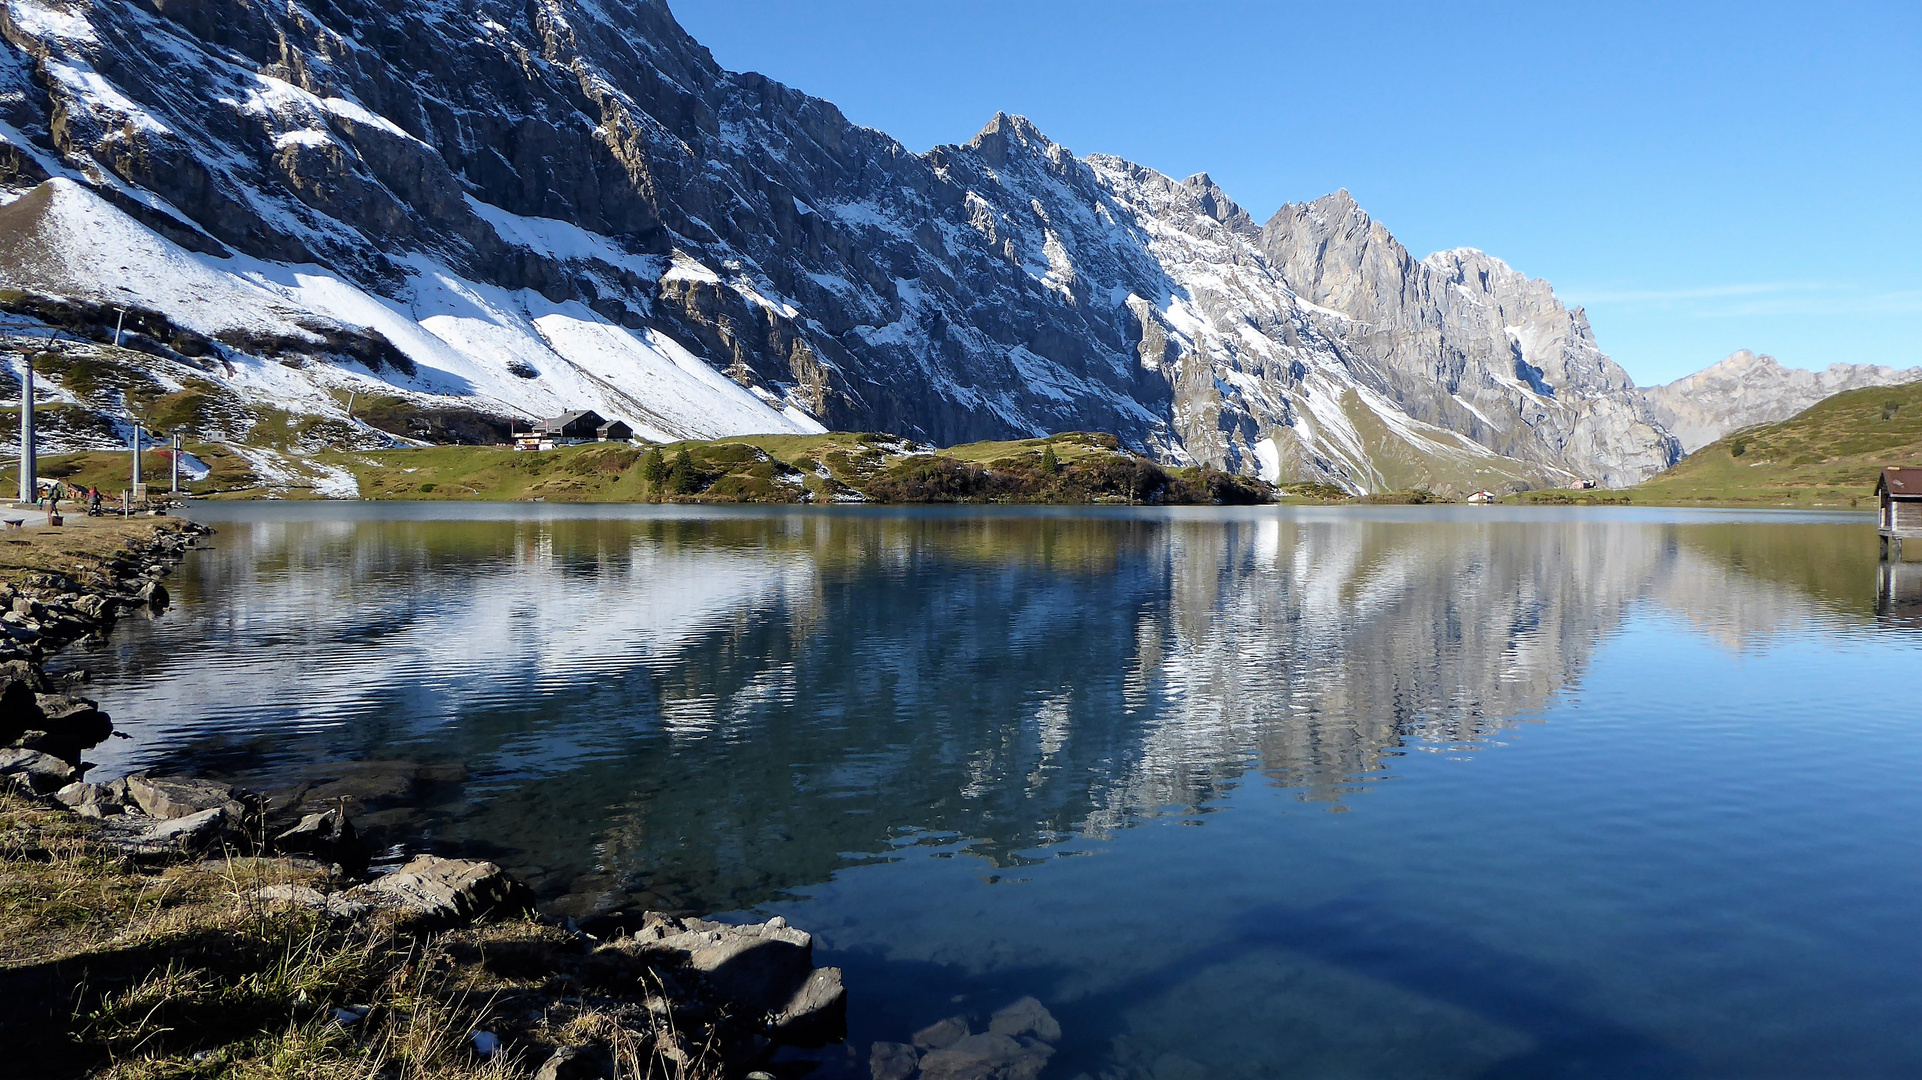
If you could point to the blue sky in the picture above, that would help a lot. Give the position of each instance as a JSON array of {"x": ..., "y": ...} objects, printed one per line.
[{"x": 1703, "y": 177}]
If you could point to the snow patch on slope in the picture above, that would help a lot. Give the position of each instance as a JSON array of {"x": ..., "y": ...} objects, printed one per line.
[{"x": 465, "y": 339}]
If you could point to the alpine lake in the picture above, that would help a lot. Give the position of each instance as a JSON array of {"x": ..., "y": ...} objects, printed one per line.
[{"x": 1388, "y": 792}]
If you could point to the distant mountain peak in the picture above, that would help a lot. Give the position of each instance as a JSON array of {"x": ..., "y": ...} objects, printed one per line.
[
  {"x": 1746, "y": 388},
  {"x": 1337, "y": 206}
]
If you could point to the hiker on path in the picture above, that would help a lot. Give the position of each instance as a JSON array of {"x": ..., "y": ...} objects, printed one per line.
[{"x": 93, "y": 500}]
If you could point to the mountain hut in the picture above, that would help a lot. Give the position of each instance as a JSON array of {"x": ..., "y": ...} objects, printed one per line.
[
  {"x": 1898, "y": 494},
  {"x": 569, "y": 428}
]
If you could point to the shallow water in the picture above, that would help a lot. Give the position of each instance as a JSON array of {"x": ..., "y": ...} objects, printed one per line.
[{"x": 1391, "y": 792}]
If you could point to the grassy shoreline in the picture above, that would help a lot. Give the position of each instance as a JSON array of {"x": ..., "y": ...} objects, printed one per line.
[{"x": 1772, "y": 466}]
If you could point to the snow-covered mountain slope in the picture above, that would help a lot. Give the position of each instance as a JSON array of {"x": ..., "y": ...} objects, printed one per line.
[
  {"x": 1746, "y": 389},
  {"x": 521, "y": 208}
]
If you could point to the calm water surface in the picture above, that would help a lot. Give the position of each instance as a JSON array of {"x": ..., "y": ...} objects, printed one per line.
[{"x": 1241, "y": 793}]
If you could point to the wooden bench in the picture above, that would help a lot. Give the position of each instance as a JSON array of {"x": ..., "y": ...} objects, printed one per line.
[{"x": 14, "y": 523}]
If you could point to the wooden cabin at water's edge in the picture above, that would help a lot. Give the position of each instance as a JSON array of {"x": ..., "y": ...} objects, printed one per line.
[{"x": 1898, "y": 495}]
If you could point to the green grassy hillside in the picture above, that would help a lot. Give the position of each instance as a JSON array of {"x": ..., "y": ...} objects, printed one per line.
[
  {"x": 843, "y": 466},
  {"x": 1828, "y": 455},
  {"x": 837, "y": 467}
]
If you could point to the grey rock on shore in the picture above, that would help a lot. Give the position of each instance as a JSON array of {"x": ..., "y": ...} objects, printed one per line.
[{"x": 431, "y": 892}]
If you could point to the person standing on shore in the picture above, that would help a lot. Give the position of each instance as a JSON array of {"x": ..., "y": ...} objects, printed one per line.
[{"x": 93, "y": 500}]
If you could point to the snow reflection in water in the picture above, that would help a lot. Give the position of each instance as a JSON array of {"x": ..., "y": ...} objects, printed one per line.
[{"x": 892, "y": 726}]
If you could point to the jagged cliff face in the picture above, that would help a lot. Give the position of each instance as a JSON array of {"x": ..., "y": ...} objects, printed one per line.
[
  {"x": 1462, "y": 341},
  {"x": 565, "y": 204},
  {"x": 1746, "y": 389}
]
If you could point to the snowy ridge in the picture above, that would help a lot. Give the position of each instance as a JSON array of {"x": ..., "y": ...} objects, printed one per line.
[{"x": 466, "y": 340}]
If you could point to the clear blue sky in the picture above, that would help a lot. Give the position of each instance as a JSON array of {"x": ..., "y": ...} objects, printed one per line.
[{"x": 1703, "y": 177}]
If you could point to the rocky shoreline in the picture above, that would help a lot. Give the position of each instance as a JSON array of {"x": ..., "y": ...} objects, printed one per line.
[
  {"x": 651, "y": 994},
  {"x": 44, "y": 724}
]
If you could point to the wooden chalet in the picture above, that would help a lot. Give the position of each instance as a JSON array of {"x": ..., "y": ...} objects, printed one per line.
[
  {"x": 569, "y": 428},
  {"x": 1898, "y": 496}
]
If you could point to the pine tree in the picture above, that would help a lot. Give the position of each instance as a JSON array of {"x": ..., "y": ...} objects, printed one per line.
[
  {"x": 681, "y": 478},
  {"x": 653, "y": 466},
  {"x": 1049, "y": 463}
]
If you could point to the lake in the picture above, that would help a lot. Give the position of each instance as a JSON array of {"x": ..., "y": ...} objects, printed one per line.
[{"x": 1263, "y": 792}]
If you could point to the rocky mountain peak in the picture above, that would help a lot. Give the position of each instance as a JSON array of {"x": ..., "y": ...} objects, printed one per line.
[
  {"x": 532, "y": 208},
  {"x": 1216, "y": 204},
  {"x": 1340, "y": 204},
  {"x": 1490, "y": 339},
  {"x": 1741, "y": 362},
  {"x": 1007, "y": 135}
]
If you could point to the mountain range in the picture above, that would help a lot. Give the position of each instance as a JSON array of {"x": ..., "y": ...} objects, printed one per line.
[
  {"x": 498, "y": 211},
  {"x": 1748, "y": 389}
]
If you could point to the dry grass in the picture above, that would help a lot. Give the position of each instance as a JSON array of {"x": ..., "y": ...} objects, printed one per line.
[
  {"x": 83, "y": 549},
  {"x": 112, "y": 970}
]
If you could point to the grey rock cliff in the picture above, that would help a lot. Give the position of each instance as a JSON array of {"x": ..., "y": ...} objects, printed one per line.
[
  {"x": 1462, "y": 341},
  {"x": 1746, "y": 389},
  {"x": 521, "y": 208}
]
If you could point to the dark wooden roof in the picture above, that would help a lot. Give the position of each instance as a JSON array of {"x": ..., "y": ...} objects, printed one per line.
[
  {"x": 1900, "y": 483},
  {"x": 585, "y": 417}
]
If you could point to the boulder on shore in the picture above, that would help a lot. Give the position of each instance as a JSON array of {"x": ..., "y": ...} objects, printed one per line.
[
  {"x": 95, "y": 800},
  {"x": 145, "y": 838},
  {"x": 765, "y": 969},
  {"x": 432, "y": 893},
  {"x": 334, "y": 905},
  {"x": 34, "y": 772},
  {"x": 67, "y": 726},
  {"x": 328, "y": 835},
  {"x": 19, "y": 712},
  {"x": 170, "y": 797}
]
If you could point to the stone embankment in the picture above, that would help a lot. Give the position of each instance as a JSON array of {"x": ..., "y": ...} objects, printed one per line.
[{"x": 45, "y": 725}]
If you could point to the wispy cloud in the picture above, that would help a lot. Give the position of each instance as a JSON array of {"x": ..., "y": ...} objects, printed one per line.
[
  {"x": 1900, "y": 302},
  {"x": 1704, "y": 292},
  {"x": 1759, "y": 298}
]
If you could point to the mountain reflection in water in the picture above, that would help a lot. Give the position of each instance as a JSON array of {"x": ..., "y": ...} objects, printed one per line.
[{"x": 712, "y": 710}]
